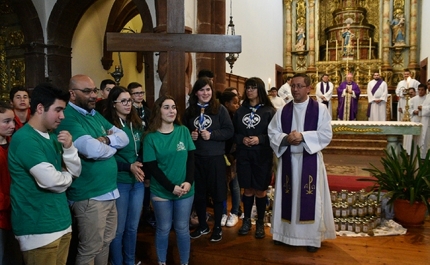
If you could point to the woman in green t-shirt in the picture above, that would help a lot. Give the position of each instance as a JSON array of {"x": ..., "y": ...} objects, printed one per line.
[
  {"x": 169, "y": 158},
  {"x": 121, "y": 113}
]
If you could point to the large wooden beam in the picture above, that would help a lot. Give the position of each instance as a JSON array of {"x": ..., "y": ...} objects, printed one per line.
[{"x": 126, "y": 42}]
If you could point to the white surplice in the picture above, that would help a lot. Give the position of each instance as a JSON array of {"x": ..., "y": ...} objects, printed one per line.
[
  {"x": 407, "y": 139},
  {"x": 328, "y": 94},
  {"x": 425, "y": 132},
  {"x": 296, "y": 233},
  {"x": 285, "y": 93},
  {"x": 377, "y": 110},
  {"x": 403, "y": 86}
]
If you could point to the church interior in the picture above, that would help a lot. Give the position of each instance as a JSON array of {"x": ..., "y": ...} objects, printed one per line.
[{"x": 168, "y": 42}]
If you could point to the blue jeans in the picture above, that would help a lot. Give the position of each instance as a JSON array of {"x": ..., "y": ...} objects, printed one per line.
[
  {"x": 176, "y": 212},
  {"x": 129, "y": 205},
  {"x": 235, "y": 197}
]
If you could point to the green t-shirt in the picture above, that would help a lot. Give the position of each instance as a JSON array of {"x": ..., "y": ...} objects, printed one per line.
[
  {"x": 129, "y": 154},
  {"x": 171, "y": 153},
  {"x": 35, "y": 210},
  {"x": 98, "y": 177}
]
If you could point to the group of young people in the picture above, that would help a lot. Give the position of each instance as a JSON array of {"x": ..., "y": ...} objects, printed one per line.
[{"x": 96, "y": 164}]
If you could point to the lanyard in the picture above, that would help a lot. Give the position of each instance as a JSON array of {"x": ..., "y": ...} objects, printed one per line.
[
  {"x": 202, "y": 114},
  {"x": 251, "y": 116}
]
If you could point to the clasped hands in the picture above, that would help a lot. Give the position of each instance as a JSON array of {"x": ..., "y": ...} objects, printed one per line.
[
  {"x": 294, "y": 138},
  {"x": 183, "y": 189},
  {"x": 206, "y": 135},
  {"x": 250, "y": 140}
]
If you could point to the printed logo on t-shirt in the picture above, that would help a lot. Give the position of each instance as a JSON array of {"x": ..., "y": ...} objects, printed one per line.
[
  {"x": 207, "y": 122},
  {"x": 246, "y": 120},
  {"x": 180, "y": 147},
  {"x": 136, "y": 136}
]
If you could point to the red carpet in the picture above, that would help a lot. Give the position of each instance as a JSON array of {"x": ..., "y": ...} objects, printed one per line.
[{"x": 350, "y": 183}]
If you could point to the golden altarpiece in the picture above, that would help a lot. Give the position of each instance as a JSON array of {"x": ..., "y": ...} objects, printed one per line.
[{"x": 352, "y": 36}]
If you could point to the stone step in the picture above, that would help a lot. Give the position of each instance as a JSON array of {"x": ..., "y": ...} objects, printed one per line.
[
  {"x": 358, "y": 143},
  {"x": 354, "y": 150}
]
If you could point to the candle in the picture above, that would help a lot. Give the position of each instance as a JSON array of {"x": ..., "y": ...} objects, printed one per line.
[
  {"x": 370, "y": 48},
  {"x": 336, "y": 50},
  {"x": 269, "y": 81},
  {"x": 326, "y": 50},
  {"x": 358, "y": 48},
  {"x": 380, "y": 48}
]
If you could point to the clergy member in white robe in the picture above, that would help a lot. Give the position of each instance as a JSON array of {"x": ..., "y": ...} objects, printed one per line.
[
  {"x": 402, "y": 89},
  {"x": 407, "y": 138},
  {"x": 377, "y": 93},
  {"x": 295, "y": 221},
  {"x": 416, "y": 114},
  {"x": 277, "y": 102},
  {"x": 324, "y": 92},
  {"x": 285, "y": 91},
  {"x": 425, "y": 131}
]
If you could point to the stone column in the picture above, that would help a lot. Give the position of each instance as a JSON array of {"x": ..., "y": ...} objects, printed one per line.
[
  {"x": 385, "y": 35},
  {"x": 311, "y": 39},
  {"x": 288, "y": 36},
  {"x": 413, "y": 30}
]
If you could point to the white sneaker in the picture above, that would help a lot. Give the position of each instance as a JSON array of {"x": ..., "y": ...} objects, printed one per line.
[
  {"x": 224, "y": 219},
  {"x": 232, "y": 220}
]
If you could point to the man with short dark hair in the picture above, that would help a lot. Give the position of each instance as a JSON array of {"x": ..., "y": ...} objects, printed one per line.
[
  {"x": 105, "y": 87},
  {"x": 402, "y": 89},
  {"x": 298, "y": 132},
  {"x": 20, "y": 101},
  {"x": 377, "y": 93},
  {"x": 324, "y": 92},
  {"x": 93, "y": 194},
  {"x": 42, "y": 166},
  {"x": 285, "y": 91}
]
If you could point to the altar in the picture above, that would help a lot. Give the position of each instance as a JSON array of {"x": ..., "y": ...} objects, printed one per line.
[
  {"x": 362, "y": 107},
  {"x": 392, "y": 129}
]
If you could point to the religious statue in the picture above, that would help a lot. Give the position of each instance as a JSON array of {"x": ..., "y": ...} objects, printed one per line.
[
  {"x": 347, "y": 35},
  {"x": 300, "y": 40},
  {"x": 398, "y": 27}
]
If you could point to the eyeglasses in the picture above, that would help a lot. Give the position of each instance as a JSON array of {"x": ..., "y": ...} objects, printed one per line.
[
  {"x": 138, "y": 93},
  {"x": 251, "y": 88},
  {"x": 125, "y": 102},
  {"x": 298, "y": 86},
  {"x": 87, "y": 91}
]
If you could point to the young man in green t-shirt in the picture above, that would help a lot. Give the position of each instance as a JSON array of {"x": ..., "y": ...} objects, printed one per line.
[{"x": 42, "y": 166}]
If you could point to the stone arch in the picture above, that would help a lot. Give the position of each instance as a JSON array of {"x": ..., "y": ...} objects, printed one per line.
[
  {"x": 34, "y": 54},
  {"x": 62, "y": 24}
]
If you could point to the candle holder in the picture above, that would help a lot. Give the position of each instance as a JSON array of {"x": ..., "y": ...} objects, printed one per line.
[{"x": 406, "y": 115}]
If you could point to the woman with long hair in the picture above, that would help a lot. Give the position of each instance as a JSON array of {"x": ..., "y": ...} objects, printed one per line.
[
  {"x": 169, "y": 158},
  {"x": 120, "y": 112},
  {"x": 210, "y": 126},
  {"x": 254, "y": 156}
]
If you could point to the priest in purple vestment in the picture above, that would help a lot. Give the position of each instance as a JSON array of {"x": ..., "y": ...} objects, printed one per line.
[{"x": 348, "y": 94}]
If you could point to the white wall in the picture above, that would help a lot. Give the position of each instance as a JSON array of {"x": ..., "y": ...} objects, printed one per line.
[
  {"x": 260, "y": 23},
  {"x": 425, "y": 36},
  {"x": 87, "y": 46}
]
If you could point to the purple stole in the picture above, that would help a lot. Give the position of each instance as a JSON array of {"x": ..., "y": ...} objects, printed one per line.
[
  {"x": 377, "y": 85},
  {"x": 309, "y": 167}
]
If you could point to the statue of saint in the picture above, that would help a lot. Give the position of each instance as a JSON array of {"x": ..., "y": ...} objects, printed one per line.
[
  {"x": 398, "y": 27},
  {"x": 347, "y": 35},
  {"x": 300, "y": 39}
]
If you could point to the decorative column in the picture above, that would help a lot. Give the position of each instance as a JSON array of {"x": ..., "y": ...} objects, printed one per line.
[
  {"x": 311, "y": 39},
  {"x": 413, "y": 35},
  {"x": 288, "y": 37},
  {"x": 385, "y": 35}
]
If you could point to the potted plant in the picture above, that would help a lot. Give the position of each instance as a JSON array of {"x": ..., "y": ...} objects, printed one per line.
[{"x": 405, "y": 179}]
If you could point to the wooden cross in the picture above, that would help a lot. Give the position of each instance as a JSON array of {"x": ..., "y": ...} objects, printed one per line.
[{"x": 175, "y": 42}]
